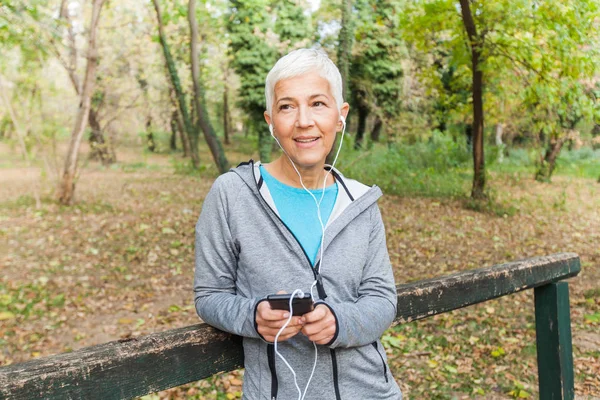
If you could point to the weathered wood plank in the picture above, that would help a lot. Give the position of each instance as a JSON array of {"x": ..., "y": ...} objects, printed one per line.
[
  {"x": 439, "y": 295},
  {"x": 553, "y": 338},
  {"x": 125, "y": 369},
  {"x": 118, "y": 370}
]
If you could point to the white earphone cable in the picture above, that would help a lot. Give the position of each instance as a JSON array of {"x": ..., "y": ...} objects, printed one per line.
[{"x": 301, "y": 394}]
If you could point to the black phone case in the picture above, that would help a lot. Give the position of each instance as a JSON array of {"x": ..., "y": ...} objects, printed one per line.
[{"x": 300, "y": 305}]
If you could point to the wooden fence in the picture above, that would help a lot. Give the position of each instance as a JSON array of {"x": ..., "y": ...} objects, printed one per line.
[{"x": 138, "y": 366}]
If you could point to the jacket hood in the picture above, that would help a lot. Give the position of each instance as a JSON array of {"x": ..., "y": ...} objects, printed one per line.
[{"x": 353, "y": 197}]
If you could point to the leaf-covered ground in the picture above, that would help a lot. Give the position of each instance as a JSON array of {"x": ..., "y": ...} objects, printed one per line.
[{"x": 120, "y": 263}]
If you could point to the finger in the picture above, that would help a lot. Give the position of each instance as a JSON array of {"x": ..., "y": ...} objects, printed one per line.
[
  {"x": 317, "y": 314},
  {"x": 324, "y": 341},
  {"x": 277, "y": 324},
  {"x": 282, "y": 292},
  {"x": 269, "y": 314},
  {"x": 269, "y": 334},
  {"x": 314, "y": 328},
  {"x": 322, "y": 336}
]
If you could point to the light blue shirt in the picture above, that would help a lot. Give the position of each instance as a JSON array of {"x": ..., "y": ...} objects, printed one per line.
[{"x": 298, "y": 211}]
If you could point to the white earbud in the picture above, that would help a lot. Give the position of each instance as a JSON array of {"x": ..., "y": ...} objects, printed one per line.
[
  {"x": 271, "y": 129},
  {"x": 343, "y": 120}
]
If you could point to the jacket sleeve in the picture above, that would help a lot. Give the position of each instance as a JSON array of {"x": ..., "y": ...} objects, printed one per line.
[
  {"x": 216, "y": 254},
  {"x": 364, "y": 321}
]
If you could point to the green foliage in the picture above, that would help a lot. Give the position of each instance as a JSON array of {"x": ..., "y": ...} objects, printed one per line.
[
  {"x": 248, "y": 25},
  {"x": 255, "y": 47},
  {"x": 376, "y": 70},
  {"x": 292, "y": 26},
  {"x": 437, "y": 168}
]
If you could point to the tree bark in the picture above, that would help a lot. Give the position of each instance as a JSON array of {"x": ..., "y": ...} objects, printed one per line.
[
  {"x": 345, "y": 45},
  {"x": 499, "y": 142},
  {"x": 20, "y": 136},
  {"x": 173, "y": 125},
  {"x": 67, "y": 187},
  {"x": 184, "y": 138},
  {"x": 343, "y": 62},
  {"x": 100, "y": 148},
  {"x": 210, "y": 135},
  {"x": 363, "y": 113},
  {"x": 150, "y": 143},
  {"x": 72, "y": 65},
  {"x": 179, "y": 95},
  {"x": 376, "y": 131},
  {"x": 226, "y": 112},
  {"x": 475, "y": 40},
  {"x": 548, "y": 162}
]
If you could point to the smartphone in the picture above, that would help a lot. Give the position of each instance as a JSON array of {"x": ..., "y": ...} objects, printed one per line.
[{"x": 301, "y": 304}]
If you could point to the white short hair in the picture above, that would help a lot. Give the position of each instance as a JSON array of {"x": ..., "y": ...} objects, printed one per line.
[{"x": 299, "y": 62}]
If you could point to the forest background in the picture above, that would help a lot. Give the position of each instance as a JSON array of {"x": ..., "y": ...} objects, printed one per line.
[{"x": 479, "y": 120}]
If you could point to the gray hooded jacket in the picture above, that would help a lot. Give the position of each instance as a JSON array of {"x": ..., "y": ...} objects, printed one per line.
[{"x": 245, "y": 252}]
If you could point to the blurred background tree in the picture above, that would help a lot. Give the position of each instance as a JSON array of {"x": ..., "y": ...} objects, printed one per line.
[{"x": 502, "y": 81}]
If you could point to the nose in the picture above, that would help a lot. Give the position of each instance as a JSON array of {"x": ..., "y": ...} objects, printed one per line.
[{"x": 304, "y": 118}]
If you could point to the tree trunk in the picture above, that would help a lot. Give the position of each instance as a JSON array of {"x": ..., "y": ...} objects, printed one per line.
[
  {"x": 548, "y": 163},
  {"x": 179, "y": 95},
  {"x": 499, "y": 142},
  {"x": 265, "y": 143},
  {"x": 67, "y": 187},
  {"x": 100, "y": 148},
  {"x": 345, "y": 45},
  {"x": 376, "y": 131},
  {"x": 210, "y": 135},
  {"x": 343, "y": 62},
  {"x": 363, "y": 113},
  {"x": 184, "y": 138},
  {"x": 477, "y": 191},
  {"x": 150, "y": 143},
  {"x": 72, "y": 65},
  {"x": 173, "y": 125},
  {"x": 226, "y": 112},
  {"x": 20, "y": 137}
]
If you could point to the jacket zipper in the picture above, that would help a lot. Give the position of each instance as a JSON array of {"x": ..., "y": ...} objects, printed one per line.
[
  {"x": 274, "y": 382},
  {"x": 336, "y": 384},
  {"x": 382, "y": 361},
  {"x": 314, "y": 268}
]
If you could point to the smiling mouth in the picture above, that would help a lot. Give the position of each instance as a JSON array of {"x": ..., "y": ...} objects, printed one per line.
[{"x": 306, "y": 140}]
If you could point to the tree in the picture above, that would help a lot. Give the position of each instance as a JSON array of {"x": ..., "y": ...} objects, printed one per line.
[
  {"x": 527, "y": 38},
  {"x": 199, "y": 100},
  {"x": 476, "y": 41},
  {"x": 292, "y": 26},
  {"x": 67, "y": 187},
  {"x": 248, "y": 24},
  {"x": 176, "y": 85},
  {"x": 376, "y": 69},
  {"x": 344, "y": 55}
]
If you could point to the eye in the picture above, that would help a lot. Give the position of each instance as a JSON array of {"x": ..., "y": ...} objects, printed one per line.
[
  {"x": 284, "y": 107},
  {"x": 318, "y": 104}
]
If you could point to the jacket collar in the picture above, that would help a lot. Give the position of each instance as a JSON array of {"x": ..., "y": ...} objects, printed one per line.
[{"x": 352, "y": 199}]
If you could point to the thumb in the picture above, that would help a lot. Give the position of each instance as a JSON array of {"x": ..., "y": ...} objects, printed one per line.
[{"x": 282, "y": 292}]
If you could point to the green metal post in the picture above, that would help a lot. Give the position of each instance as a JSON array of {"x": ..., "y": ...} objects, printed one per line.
[{"x": 554, "y": 350}]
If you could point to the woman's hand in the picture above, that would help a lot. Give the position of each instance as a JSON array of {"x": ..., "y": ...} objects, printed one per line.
[
  {"x": 270, "y": 321},
  {"x": 319, "y": 325}
]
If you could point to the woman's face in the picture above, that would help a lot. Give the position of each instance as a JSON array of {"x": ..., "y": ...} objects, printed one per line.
[{"x": 305, "y": 118}]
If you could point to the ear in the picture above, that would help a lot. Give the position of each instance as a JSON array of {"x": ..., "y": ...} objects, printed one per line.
[
  {"x": 267, "y": 118},
  {"x": 343, "y": 113}
]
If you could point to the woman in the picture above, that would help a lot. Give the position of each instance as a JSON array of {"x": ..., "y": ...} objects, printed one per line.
[{"x": 293, "y": 224}]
